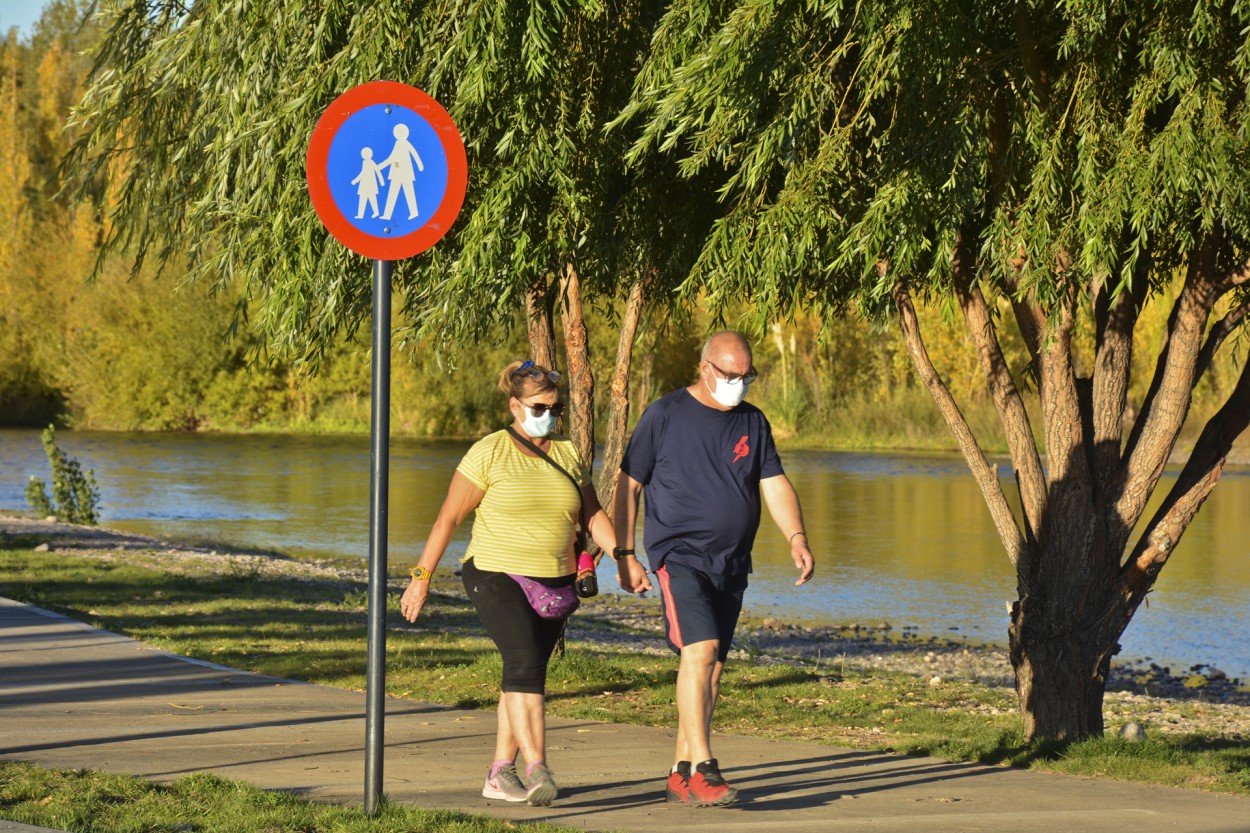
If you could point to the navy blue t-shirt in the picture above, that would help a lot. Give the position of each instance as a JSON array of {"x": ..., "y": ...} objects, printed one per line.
[{"x": 700, "y": 469}]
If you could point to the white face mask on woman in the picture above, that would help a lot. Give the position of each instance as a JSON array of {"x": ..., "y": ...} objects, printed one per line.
[
  {"x": 538, "y": 426},
  {"x": 730, "y": 394}
]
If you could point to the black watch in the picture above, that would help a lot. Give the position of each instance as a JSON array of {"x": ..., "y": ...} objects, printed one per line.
[{"x": 620, "y": 552}]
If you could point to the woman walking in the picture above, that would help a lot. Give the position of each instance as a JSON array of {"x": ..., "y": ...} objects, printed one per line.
[{"x": 520, "y": 565}]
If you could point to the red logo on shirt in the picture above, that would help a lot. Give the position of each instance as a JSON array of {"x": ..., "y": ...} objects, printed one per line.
[{"x": 741, "y": 450}]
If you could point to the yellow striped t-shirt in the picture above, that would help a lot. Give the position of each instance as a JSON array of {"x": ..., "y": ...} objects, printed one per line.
[{"x": 526, "y": 519}]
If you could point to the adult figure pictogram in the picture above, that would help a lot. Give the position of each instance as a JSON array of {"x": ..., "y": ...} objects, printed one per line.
[{"x": 402, "y": 175}]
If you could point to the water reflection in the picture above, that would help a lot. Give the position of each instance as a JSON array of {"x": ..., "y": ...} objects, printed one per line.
[{"x": 899, "y": 538}]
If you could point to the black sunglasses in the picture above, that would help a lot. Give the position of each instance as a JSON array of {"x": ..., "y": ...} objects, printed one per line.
[
  {"x": 540, "y": 408},
  {"x": 734, "y": 378}
]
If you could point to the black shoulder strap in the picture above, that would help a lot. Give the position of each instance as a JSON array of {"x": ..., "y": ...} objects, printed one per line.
[{"x": 525, "y": 441}]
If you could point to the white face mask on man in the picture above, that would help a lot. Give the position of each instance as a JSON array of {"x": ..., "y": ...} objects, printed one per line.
[
  {"x": 538, "y": 426},
  {"x": 729, "y": 394}
]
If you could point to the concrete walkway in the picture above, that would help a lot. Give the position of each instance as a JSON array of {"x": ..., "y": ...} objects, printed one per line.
[{"x": 72, "y": 696}]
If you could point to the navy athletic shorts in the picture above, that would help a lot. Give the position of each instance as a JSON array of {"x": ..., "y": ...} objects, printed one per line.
[{"x": 699, "y": 606}]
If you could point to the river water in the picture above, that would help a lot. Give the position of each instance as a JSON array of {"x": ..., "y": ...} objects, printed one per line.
[{"x": 899, "y": 538}]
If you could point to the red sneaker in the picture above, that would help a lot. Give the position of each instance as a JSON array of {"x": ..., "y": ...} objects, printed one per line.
[
  {"x": 707, "y": 788},
  {"x": 677, "y": 791}
]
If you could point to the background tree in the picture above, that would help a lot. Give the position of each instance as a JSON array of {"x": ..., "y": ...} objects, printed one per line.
[
  {"x": 531, "y": 86},
  {"x": 149, "y": 354},
  {"x": 44, "y": 236},
  {"x": 223, "y": 200},
  {"x": 1061, "y": 164}
]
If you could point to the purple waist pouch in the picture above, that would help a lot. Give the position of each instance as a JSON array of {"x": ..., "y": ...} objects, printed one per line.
[{"x": 548, "y": 602}]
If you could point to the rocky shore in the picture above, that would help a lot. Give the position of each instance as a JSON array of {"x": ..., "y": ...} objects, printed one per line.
[
  {"x": 1198, "y": 698},
  {"x": 1202, "y": 699}
]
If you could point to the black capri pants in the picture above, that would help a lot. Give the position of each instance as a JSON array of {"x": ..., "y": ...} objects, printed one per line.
[{"x": 525, "y": 640}]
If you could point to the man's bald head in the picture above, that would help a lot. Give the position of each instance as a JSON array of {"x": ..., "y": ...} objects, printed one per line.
[{"x": 725, "y": 344}]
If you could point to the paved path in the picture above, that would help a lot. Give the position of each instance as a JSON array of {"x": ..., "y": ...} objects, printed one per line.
[{"x": 73, "y": 696}]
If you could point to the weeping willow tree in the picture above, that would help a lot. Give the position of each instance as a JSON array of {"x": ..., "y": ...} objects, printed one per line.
[
  {"x": 196, "y": 121},
  {"x": 1052, "y": 167}
]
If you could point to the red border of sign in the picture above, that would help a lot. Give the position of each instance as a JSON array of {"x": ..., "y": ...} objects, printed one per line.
[{"x": 315, "y": 168}]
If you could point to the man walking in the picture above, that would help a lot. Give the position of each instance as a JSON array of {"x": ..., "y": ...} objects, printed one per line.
[{"x": 703, "y": 457}]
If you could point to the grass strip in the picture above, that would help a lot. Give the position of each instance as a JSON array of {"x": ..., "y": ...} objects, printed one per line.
[
  {"x": 314, "y": 630},
  {"x": 87, "y": 801}
]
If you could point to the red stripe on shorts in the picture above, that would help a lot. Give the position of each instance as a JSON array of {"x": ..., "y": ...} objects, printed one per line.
[{"x": 670, "y": 611}]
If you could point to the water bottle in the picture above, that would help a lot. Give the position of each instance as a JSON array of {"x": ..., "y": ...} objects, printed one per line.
[{"x": 587, "y": 583}]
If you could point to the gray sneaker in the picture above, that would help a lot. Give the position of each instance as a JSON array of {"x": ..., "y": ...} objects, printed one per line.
[
  {"x": 543, "y": 789},
  {"x": 505, "y": 786}
]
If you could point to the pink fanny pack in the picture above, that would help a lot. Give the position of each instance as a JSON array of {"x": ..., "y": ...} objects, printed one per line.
[{"x": 548, "y": 602}]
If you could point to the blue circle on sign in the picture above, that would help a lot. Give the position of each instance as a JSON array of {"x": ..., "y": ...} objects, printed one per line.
[{"x": 386, "y": 170}]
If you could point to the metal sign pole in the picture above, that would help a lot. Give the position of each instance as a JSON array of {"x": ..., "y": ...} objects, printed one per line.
[
  {"x": 379, "y": 469},
  {"x": 380, "y": 115}
]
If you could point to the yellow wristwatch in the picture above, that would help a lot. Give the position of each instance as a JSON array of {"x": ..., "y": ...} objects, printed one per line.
[{"x": 419, "y": 573}]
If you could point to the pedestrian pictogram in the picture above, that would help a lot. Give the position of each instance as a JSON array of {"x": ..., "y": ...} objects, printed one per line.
[{"x": 386, "y": 170}]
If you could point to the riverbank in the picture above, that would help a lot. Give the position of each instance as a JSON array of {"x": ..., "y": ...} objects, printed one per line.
[{"x": 1200, "y": 699}]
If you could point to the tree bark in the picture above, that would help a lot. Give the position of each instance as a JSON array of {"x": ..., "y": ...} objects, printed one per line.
[
  {"x": 1007, "y": 400},
  {"x": 581, "y": 425},
  {"x": 538, "y": 324},
  {"x": 1062, "y": 643},
  {"x": 618, "y": 410},
  {"x": 1061, "y": 662}
]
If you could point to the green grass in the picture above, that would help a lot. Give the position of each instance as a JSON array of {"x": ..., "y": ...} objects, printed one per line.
[
  {"x": 86, "y": 801},
  {"x": 315, "y": 631}
]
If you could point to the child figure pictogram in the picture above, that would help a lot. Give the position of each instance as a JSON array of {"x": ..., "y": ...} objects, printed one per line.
[{"x": 367, "y": 183}]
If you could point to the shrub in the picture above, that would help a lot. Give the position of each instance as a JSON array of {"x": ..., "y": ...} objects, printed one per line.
[{"x": 75, "y": 498}]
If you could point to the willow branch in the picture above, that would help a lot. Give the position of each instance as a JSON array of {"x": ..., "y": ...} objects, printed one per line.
[
  {"x": 1197, "y": 480},
  {"x": 1196, "y": 278},
  {"x": 1061, "y": 408},
  {"x": 1167, "y": 404},
  {"x": 985, "y": 474},
  {"x": 538, "y": 323},
  {"x": 577, "y": 351},
  {"x": 1113, "y": 363},
  {"x": 1216, "y": 338},
  {"x": 618, "y": 410},
  {"x": 1031, "y": 322},
  {"x": 1007, "y": 400}
]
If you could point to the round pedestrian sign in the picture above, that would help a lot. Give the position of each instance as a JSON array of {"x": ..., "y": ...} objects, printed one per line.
[{"x": 386, "y": 170}]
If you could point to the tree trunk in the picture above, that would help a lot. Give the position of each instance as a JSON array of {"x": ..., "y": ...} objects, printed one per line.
[
  {"x": 581, "y": 423},
  {"x": 618, "y": 411},
  {"x": 1061, "y": 660},
  {"x": 1061, "y": 642},
  {"x": 538, "y": 324},
  {"x": 1077, "y": 590}
]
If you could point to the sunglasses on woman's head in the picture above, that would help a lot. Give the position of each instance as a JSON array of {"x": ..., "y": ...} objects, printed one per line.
[
  {"x": 540, "y": 408},
  {"x": 528, "y": 369}
]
